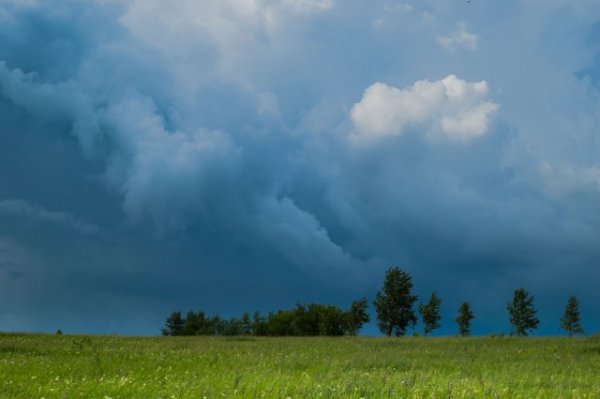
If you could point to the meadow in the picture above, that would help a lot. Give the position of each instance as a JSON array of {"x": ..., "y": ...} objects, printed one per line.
[{"x": 65, "y": 366}]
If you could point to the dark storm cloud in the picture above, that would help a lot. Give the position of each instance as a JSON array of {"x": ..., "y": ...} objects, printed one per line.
[{"x": 233, "y": 156}]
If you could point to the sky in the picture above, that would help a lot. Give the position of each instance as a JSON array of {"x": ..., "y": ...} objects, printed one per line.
[{"x": 242, "y": 155}]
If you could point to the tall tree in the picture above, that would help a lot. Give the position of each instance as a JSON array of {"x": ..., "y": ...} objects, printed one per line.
[
  {"x": 430, "y": 314},
  {"x": 357, "y": 315},
  {"x": 465, "y": 315},
  {"x": 571, "y": 320},
  {"x": 522, "y": 313},
  {"x": 394, "y": 304},
  {"x": 259, "y": 324},
  {"x": 174, "y": 324},
  {"x": 192, "y": 323},
  {"x": 246, "y": 324}
]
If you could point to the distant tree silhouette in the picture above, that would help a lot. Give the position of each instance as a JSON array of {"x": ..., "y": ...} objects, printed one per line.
[
  {"x": 522, "y": 313},
  {"x": 358, "y": 315},
  {"x": 305, "y": 320},
  {"x": 193, "y": 323},
  {"x": 314, "y": 319},
  {"x": 231, "y": 327},
  {"x": 215, "y": 326},
  {"x": 465, "y": 315},
  {"x": 331, "y": 320},
  {"x": 259, "y": 325},
  {"x": 174, "y": 325},
  {"x": 308, "y": 320},
  {"x": 246, "y": 324},
  {"x": 430, "y": 314},
  {"x": 281, "y": 323},
  {"x": 394, "y": 304},
  {"x": 571, "y": 319}
]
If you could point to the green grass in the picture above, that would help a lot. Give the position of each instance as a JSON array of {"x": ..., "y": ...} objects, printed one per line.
[{"x": 45, "y": 366}]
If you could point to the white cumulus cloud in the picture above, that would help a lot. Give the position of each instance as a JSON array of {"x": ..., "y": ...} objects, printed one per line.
[{"x": 451, "y": 109}]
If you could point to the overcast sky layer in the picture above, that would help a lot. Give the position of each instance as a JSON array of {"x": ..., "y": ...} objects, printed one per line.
[{"x": 252, "y": 154}]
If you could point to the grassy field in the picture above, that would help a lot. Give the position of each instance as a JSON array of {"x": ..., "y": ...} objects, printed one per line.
[{"x": 45, "y": 366}]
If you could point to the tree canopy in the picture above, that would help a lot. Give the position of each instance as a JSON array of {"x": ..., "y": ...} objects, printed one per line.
[
  {"x": 394, "y": 303},
  {"x": 571, "y": 319},
  {"x": 303, "y": 320},
  {"x": 465, "y": 315},
  {"x": 522, "y": 313},
  {"x": 430, "y": 314},
  {"x": 394, "y": 306}
]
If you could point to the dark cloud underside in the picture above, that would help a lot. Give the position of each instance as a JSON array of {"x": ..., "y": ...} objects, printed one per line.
[{"x": 248, "y": 156}]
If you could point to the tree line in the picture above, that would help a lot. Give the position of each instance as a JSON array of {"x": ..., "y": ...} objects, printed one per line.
[
  {"x": 394, "y": 306},
  {"x": 303, "y": 320}
]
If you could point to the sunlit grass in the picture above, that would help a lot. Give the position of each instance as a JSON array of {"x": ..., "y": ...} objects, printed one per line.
[{"x": 43, "y": 366}]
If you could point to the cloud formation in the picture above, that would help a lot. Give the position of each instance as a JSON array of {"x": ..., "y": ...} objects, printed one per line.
[
  {"x": 460, "y": 38},
  {"x": 450, "y": 108},
  {"x": 23, "y": 209},
  {"x": 208, "y": 139}
]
